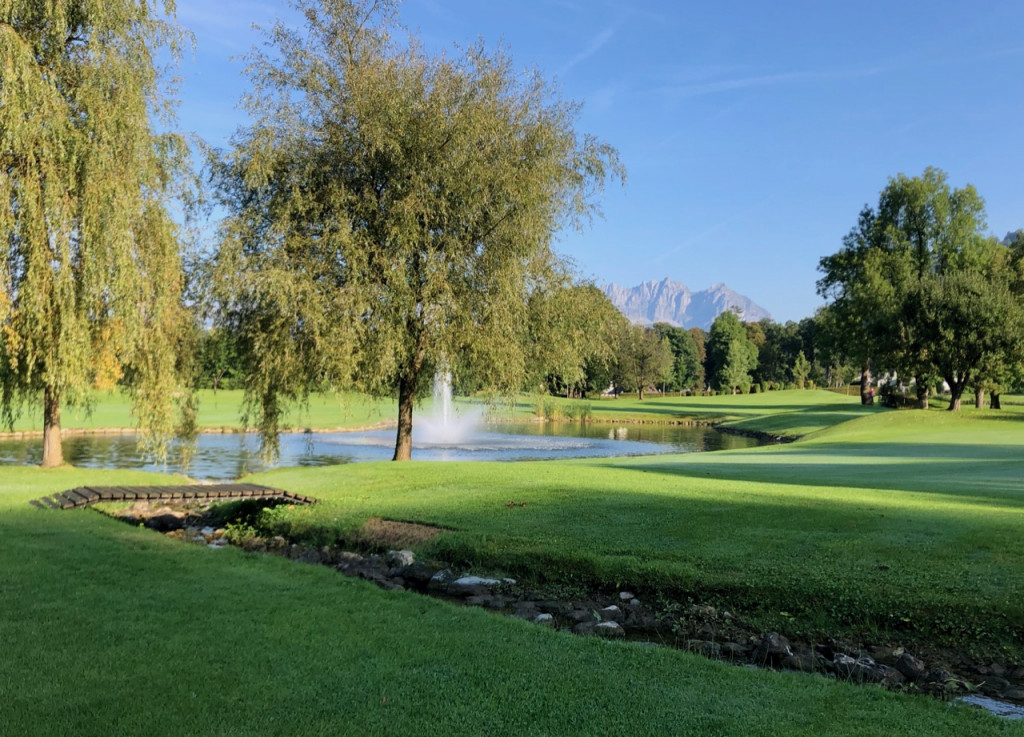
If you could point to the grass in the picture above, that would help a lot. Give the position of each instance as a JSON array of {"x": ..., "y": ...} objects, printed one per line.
[
  {"x": 222, "y": 410},
  {"x": 787, "y": 414},
  {"x": 892, "y": 523},
  {"x": 110, "y": 629},
  {"x": 895, "y": 525}
]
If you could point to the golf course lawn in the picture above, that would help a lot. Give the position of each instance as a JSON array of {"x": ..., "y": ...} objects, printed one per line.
[{"x": 889, "y": 523}]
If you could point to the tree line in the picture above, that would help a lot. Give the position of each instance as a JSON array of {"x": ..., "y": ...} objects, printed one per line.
[{"x": 391, "y": 214}]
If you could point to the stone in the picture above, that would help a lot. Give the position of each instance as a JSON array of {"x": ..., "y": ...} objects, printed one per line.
[
  {"x": 734, "y": 649},
  {"x": 911, "y": 668},
  {"x": 581, "y": 615},
  {"x": 772, "y": 648},
  {"x": 472, "y": 586},
  {"x": 310, "y": 556},
  {"x": 255, "y": 545},
  {"x": 705, "y": 648},
  {"x": 939, "y": 675},
  {"x": 611, "y": 613},
  {"x": 400, "y": 558},
  {"x": 865, "y": 670},
  {"x": 609, "y": 629},
  {"x": 440, "y": 581},
  {"x": 1014, "y": 693},
  {"x": 525, "y": 610},
  {"x": 708, "y": 631},
  {"x": 708, "y": 612},
  {"x": 804, "y": 662},
  {"x": 626, "y": 595},
  {"x": 166, "y": 521},
  {"x": 544, "y": 619},
  {"x": 418, "y": 574},
  {"x": 993, "y": 686},
  {"x": 344, "y": 560},
  {"x": 488, "y": 601},
  {"x": 634, "y": 602}
]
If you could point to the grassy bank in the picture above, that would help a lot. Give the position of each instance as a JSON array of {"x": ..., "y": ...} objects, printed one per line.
[
  {"x": 898, "y": 524},
  {"x": 109, "y": 629},
  {"x": 786, "y": 414},
  {"x": 222, "y": 410}
]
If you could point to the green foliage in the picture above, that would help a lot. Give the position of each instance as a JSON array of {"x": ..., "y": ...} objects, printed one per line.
[
  {"x": 392, "y": 212},
  {"x": 918, "y": 287},
  {"x": 731, "y": 354},
  {"x": 643, "y": 358},
  {"x": 801, "y": 370},
  {"x": 687, "y": 372},
  {"x": 91, "y": 279},
  {"x": 572, "y": 329}
]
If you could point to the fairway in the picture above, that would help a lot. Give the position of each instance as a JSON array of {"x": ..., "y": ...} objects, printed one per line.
[{"x": 98, "y": 615}]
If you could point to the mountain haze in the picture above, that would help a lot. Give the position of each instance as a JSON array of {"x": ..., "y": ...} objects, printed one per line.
[{"x": 673, "y": 302}]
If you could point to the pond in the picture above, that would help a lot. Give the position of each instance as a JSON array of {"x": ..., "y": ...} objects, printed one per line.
[{"x": 228, "y": 456}]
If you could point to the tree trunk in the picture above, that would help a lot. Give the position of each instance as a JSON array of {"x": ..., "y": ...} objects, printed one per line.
[
  {"x": 956, "y": 391},
  {"x": 979, "y": 399},
  {"x": 994, "y": 401},
  {"x": 406, "y": 399},
  {"x": 922, "y": 393},
  {"x": 53, "y": 454},
  {"x": 866, "y": 397},
  {"x": 640, "y": 392}
]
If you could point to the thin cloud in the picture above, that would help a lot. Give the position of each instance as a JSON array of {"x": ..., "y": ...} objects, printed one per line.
[
  {"x": 596, "y": 44},
  {"x": 763, "y": 80}
]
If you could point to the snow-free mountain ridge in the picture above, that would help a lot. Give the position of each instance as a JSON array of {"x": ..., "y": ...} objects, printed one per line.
[{"x": 673, "y": 302}]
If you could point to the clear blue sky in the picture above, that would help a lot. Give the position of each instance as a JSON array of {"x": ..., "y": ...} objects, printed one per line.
[{"x": 753, "y": 132}]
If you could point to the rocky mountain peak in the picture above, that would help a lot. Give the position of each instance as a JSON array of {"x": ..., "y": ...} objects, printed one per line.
[{"x": 674, "y": 303}]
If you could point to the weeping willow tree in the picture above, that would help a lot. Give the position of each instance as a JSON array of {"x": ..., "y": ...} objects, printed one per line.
[
  {"x": 391, "y": 212},
  {"x": 91, "y": 278}
]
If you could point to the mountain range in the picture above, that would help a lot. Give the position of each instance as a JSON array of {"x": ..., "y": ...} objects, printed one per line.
[{"x": 673, "y": 302}]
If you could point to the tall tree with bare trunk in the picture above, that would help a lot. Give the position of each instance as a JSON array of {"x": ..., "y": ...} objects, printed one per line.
[{"x": 91, "y": 280}]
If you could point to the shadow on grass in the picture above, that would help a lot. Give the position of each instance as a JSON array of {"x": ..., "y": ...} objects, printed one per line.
[{"x": 977, "y": 472}]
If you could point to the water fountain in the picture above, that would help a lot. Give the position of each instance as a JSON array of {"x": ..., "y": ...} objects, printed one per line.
[{"x": 444, "y": 425}]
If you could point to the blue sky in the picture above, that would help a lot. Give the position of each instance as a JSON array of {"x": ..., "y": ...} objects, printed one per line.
[{"x": 752, "y": 132}]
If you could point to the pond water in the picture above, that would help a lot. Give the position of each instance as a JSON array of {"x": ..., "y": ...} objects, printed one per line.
[{"x": 228, "y": 456}]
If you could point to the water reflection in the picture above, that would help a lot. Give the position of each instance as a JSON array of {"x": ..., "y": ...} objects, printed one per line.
[{"x": 228, "y": 456}]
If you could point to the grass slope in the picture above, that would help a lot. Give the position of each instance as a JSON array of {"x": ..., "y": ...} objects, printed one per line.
[
  {"x": 109, "y": 629},
  {"x": 897, "y": 524},
  {"x": 787, "y": 414}
]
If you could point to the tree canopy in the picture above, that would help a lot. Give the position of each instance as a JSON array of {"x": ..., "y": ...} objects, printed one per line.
[
  {"x": 392, "y": 212},
  {"x": 731, "y": 354},
  {"x": 90, "y": 278},
  {"x": 919, "y": 288}
]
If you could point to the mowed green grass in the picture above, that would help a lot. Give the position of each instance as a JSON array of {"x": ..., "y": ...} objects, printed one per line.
[
  {"x": 222, "y": 410},
  {"x": 900, "y": 525},
  {"x": 788, "y": 414},
  {"x": 109, "y": 629}
]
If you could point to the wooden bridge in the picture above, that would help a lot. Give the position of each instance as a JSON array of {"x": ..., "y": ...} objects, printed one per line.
[{"x": 83, "y": 496}]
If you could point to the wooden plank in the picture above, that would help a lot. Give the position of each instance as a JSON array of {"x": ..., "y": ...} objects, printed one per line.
[
  {"x": 76, "y": 497},
  {"x": 89, "y": 493}
]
